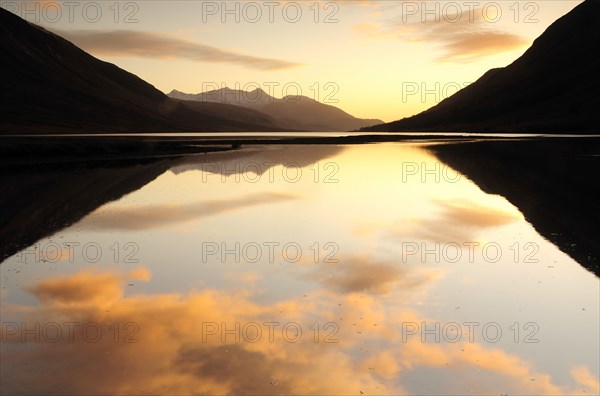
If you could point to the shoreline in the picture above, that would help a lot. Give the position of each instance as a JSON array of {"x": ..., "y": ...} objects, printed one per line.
[{"x": 49, "y": 149}]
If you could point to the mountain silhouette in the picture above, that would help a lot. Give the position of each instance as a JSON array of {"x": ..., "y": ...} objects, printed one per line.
[
  {"x": 553, "y": 87},
  {"x": 292, "y": 112},
  {"x": 50, "y": 85}
]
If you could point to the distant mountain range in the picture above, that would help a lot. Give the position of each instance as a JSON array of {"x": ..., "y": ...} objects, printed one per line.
[
  {"x": 553, "y": 87},
  {"x": 291, "y": 112}
]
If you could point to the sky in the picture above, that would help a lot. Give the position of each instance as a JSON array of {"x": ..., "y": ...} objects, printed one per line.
[{"x": 374, "y": 59}]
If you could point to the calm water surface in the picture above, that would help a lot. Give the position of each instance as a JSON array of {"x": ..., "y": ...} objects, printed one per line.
[{"x": 374, "y": 269}]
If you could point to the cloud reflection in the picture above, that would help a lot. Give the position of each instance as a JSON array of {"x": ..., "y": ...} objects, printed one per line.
[
  {"x": 154, "y": 216},
  {"x": 174, "y": 356},
  {"x": 455, "y": 221},
  {"x": 361, "y": 274}
]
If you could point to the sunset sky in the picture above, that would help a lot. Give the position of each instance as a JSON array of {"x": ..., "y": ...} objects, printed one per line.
[{"x": 373, "y": 59}]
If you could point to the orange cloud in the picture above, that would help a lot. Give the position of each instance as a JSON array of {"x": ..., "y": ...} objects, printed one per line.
[
  {"x": 361, "y": 274},
  {"x": 467, "y": 46},
  {"x": 586, "y": 379},
  {"x": 464, "y": 37},
  {"x": 175, "y": 354},
  {"x": 152, "y": 45},
  {"x": 85, "y": 287},
  {"x": 171, "y": 351}
]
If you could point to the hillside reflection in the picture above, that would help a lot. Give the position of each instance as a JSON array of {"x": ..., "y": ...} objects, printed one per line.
[
  {"x": 40, "y": 200},
  {"x": 552, "y": 181}
]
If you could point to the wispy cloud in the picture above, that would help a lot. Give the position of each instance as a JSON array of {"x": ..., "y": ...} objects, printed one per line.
[
  {"x": 467, "y": 39},
  {"x": 467, "y": 46},
  {"x": 153, "y": 45},
  {"x": 463, "y": 37}
]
